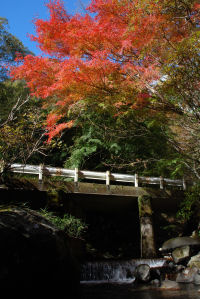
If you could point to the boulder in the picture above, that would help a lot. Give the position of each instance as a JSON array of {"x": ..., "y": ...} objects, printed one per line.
[
  {"x": 180, "y": 254},
  {"x": 142, "y": 273},
  {"x": 194, "y": 261},
  {"x": 197, "y": 278},
  {"x": 187, "y": 275},
  {"x": 169, "y": 285},
  {"x": 155, "y": 282},
  {"x": 179, "y": 242},
  {"x": 35, "y": 256},
  {"x": 156, "y": 275}
]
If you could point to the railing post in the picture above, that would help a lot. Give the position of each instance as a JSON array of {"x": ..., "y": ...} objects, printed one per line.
[
  {"x": 40, "y": 172},
  {"x": 184, "y": 184},
  {"x": 108, "y": 179},
  {"x": 136, "y": 180},
  {"x": 40, "y": 178},
  {"x": 161, "y": 183},
  {"x": 76, "y": 171},
  {"x": 2, "y": 165}
]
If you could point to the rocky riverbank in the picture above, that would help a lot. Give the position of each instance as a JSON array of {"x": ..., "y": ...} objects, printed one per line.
[
  {"x": 182, "y": 264},
  {"x": 35, "y": 256}
]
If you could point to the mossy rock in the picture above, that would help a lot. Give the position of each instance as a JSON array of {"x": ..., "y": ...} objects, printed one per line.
[
  {"x": 35, "y": 255},
  {"x": 179, "y": 242}
]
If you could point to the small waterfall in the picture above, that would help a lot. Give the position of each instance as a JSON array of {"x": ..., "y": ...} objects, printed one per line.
[{"x": 115, "y": 271}]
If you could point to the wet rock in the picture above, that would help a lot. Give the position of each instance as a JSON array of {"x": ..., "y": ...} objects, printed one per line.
[
  {"x": 195, "y": 261},
  {"x": 197, "y": 278},
  {"x": 187, "y": 275},
  {"x": 169, "y": 284},
  {"x": 142, "y": 273},
  {"x": 155, "y": 274},
  {"x": 180, "y": 254},
  {"x": 145, "y": 274},
  {"x": 180, "y": 268},
  {"x": 155, "y": 282},
  {"x": 179, "y": 242},
  {"x": 35, "y": 255}
]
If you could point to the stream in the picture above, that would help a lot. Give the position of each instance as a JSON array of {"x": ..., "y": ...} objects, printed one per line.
[
  {"x": 115, "y": 280},
  {"x": 117, "y": 291}
]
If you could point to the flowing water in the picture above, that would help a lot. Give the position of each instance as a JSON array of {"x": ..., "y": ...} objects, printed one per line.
[
  {"x": 115, "y": 271},
  {"x": 115, "y": 280}
]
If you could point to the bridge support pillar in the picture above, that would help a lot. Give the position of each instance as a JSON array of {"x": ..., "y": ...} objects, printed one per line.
[{"x": 148, "y": 249}]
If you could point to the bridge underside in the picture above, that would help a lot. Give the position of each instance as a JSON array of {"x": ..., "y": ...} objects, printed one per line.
[
  {"x": 119, "y": 197},
  {"x": 139, "y": 205}
]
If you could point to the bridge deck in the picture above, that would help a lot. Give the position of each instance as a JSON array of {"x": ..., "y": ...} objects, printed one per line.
[{"x": 116, "y": 190}]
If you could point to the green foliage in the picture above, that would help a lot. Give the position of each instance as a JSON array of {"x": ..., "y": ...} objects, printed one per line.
[
  {"x": 10, "y": 46},
  {"x": 73, "y": 226},
  {"x": 85, "y": 146},
  {"x": 22, "y": 132},
  {"x": 181, "y": 91},
  {"x": 133, "y": 141},
  {"x": 173, "y": 166},
  {"x": 10, "y": 92},
  {"x": 19, "y": 129},
  {"x": 23, "y": 137},
  {"x": 190, "y": 202}
]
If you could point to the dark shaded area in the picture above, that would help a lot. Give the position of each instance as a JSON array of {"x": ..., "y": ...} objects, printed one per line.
[
  {"x": 113, "y": 235},
  {"x": 165, "y": 222},
  {"x": 113, "y": 225},
  {"x": 36, "y": 257},
  {"x": 33, "y": 199}
]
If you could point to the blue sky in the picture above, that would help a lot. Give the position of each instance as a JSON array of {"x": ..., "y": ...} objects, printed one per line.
[{"x": 20, "y": 14}]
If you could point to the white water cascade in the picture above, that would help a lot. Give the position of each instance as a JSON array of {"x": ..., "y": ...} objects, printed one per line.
[{"x": 115, "y": 271}]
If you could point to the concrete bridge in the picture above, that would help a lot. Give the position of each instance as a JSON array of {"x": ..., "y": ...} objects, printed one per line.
[{"x": 112, "y": 191}]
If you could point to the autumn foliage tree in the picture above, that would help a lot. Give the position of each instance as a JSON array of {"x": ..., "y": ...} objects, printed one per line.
[{"x": 123, "y": 53}]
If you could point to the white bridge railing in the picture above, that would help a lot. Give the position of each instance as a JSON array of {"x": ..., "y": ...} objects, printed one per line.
[{"x": 76, "y": 174}]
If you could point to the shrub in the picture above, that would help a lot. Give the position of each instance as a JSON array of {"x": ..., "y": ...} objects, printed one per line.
[
  {"x": 73, "y": 226},
  {"x": 192, "y": 199}
]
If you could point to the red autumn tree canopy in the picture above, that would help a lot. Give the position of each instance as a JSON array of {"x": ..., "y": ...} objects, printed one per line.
[{"x": 113, "y": 54}]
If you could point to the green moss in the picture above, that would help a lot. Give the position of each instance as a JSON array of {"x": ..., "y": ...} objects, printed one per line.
[
  {"x": 5, "y": 209},
  {"x": 144, "y": 205}
]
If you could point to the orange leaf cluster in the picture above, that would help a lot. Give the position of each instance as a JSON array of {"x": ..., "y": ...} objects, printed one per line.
[{"x": 115, "y": 53}]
